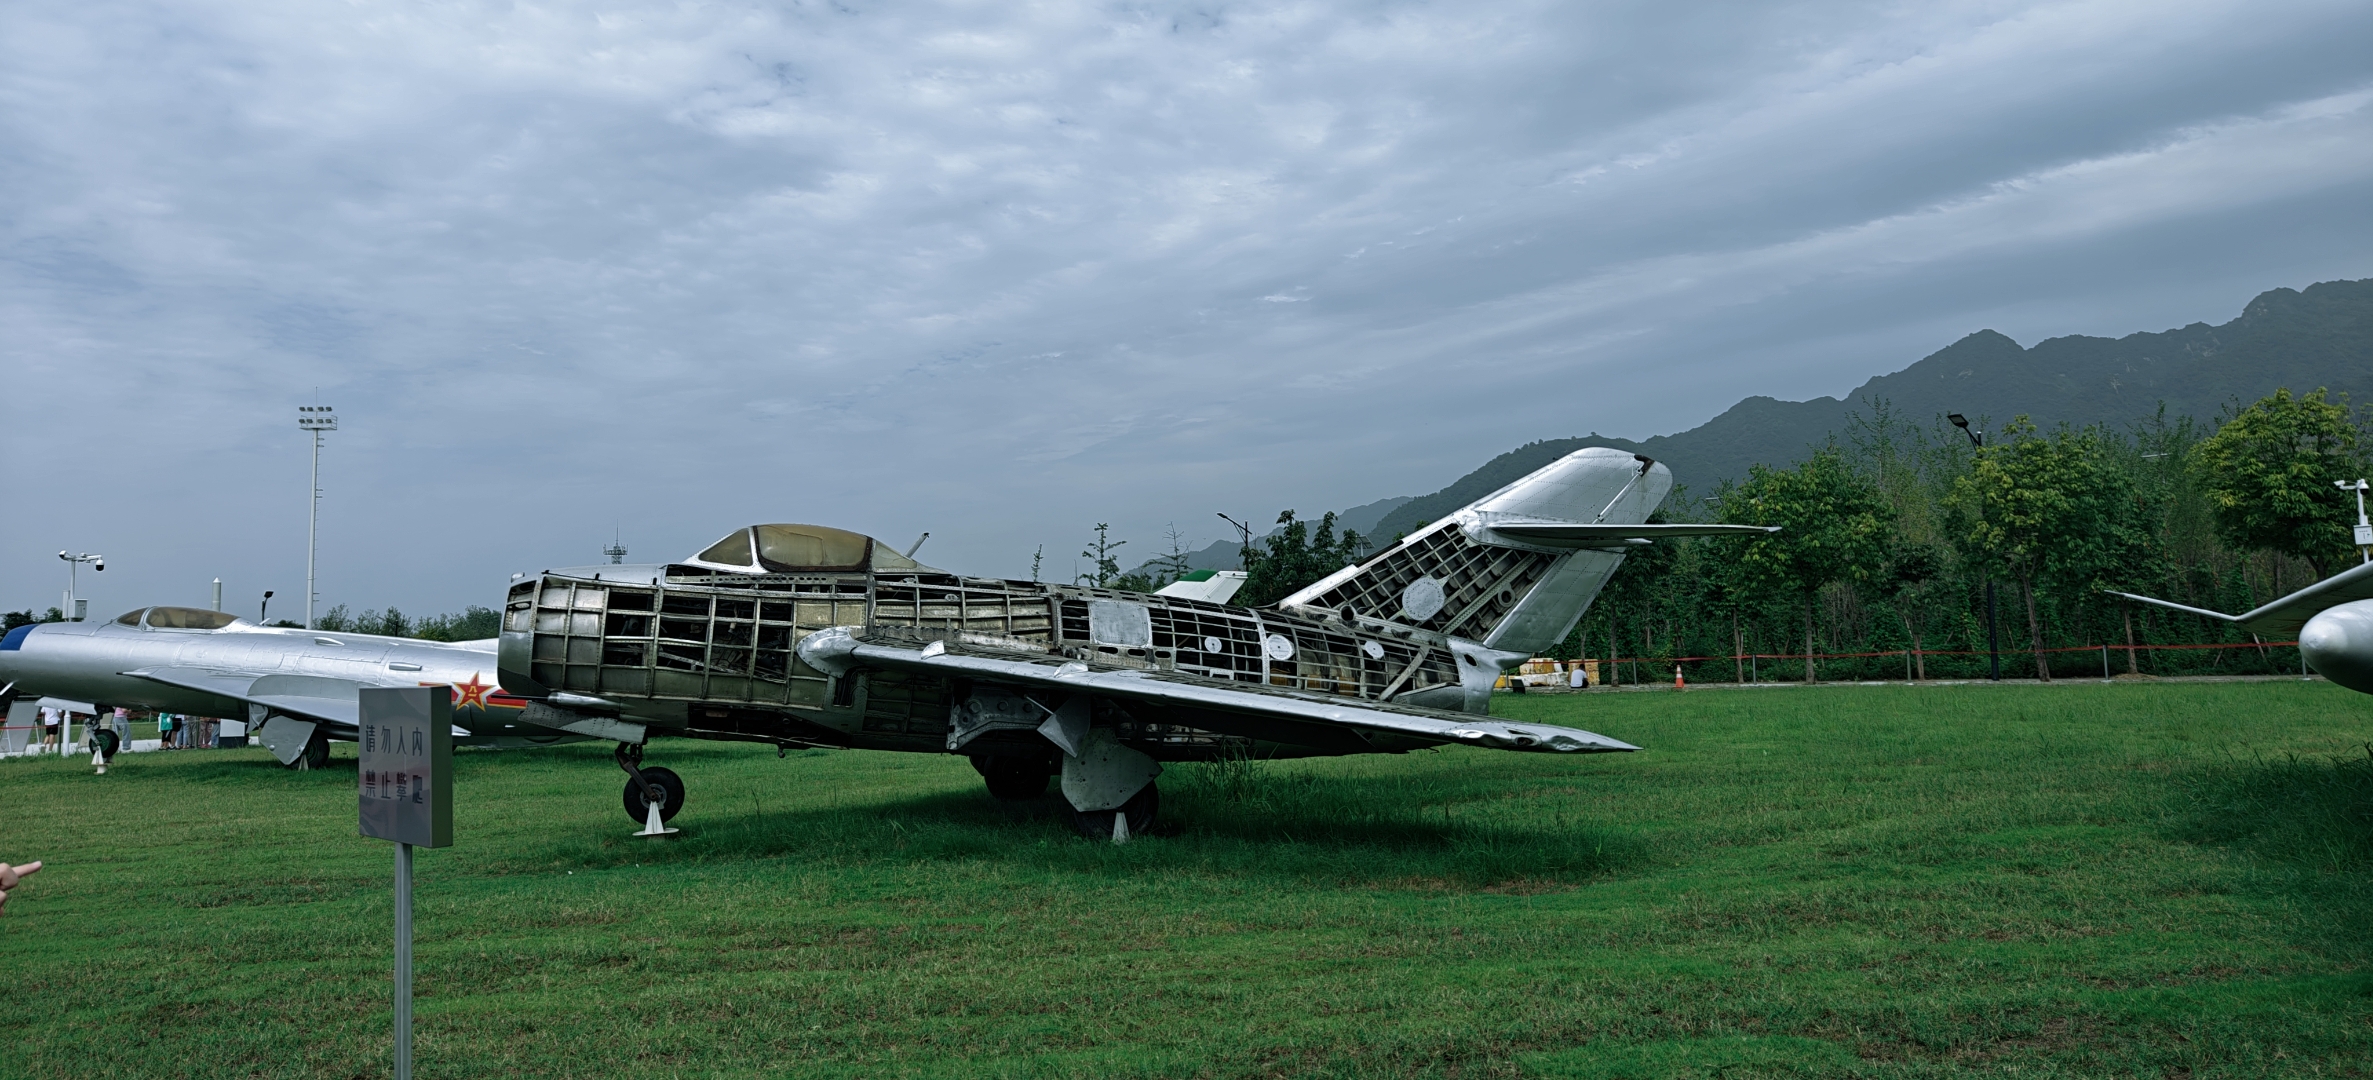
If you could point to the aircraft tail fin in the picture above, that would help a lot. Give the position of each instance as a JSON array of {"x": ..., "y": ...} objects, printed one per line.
[{"x": 1514, "y": 570}]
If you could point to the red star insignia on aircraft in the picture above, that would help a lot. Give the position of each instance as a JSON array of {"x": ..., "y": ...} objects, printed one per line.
[{"x": 469, "y": 695}]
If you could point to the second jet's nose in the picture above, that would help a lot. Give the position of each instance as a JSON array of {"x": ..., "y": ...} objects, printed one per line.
[
  {"x": 11, "y": 644},
  {"x": 2338, "y": 644}
]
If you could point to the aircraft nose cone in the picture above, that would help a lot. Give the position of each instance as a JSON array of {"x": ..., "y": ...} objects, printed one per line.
[
  {"x": 2338, "y": 644},
  {"x": 11, "y": 644}
]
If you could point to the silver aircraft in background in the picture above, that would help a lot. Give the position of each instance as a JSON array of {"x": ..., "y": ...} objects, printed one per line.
[
  {"x": 802, "y": 635},
  {"x": 296, "y": 688},
  {"x": 2333, "y": 619}
]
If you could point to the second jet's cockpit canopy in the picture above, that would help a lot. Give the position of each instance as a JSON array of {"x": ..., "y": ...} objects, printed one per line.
[
  {"x": 176, "y": 618},
  {"x": 800, "y": 549}
]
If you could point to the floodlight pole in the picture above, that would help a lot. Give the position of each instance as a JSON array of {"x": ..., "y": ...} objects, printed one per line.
[
  {"x": 1993, "y": 640},
  {"x": 316, "y": 419},
  {"x": 73, "y": 590}
]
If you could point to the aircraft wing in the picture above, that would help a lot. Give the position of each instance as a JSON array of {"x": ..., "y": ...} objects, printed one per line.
[
  {"x": 1305, "y": 716},
  {"x": 1579, "y": 535},
  {"x": 2284, "y": 617},
  {"x": 333, "y": 700}
]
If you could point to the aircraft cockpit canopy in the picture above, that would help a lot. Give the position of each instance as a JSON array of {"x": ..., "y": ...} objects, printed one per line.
[
  {"x": 800, "y": 549},
  {"x": 176, "y": 618}
]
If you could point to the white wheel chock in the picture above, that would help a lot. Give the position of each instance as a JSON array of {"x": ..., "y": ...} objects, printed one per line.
[{"x": 652, "y": 826}]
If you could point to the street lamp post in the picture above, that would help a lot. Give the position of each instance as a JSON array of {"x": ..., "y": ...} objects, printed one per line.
[
  {"x": 74, "y": 563},
  {"x": 1244, "y": 552},
  {"x": 1993, "y": 641},
  {"x": 316, "y": 419}
]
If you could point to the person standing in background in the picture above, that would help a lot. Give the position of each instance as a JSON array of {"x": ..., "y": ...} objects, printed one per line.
[
  {"x": 49, "y": 728},
  {"x": 164, "y": 731}
]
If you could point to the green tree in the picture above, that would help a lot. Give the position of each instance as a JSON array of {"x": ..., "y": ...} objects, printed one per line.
[
  {"x": 2268, "y": 474},
  {"x": 1172, "y": 565},
  {"x": 1904, "y": 578},
  {"x": 1834, "y": 526},
  {"x": 475, "y": 623},
  {"x": 1285, "y": 561},
  {"x": 1100, "y": 555},
  {"x": 2051, "y": 512}
]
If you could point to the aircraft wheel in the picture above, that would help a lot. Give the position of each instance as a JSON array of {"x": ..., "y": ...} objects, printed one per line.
[
  {"x": 316, "y": 754},
  {"x": 1097, "y": 824},
  {"x": 669, "y": 783},
  {"x": 1015, "y": 781},
  {"x": 107, "y": 744}
]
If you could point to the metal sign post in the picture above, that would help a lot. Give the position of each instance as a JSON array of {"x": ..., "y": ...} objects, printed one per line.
[{"x": 405, "y": 794}]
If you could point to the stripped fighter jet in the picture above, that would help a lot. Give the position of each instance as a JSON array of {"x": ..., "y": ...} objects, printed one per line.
[
  {"x": 801, "y": 635},
  {"x": 296, "y": 688}
]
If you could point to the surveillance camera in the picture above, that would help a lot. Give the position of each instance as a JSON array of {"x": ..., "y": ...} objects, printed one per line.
[{"x": 99, "y": 565}]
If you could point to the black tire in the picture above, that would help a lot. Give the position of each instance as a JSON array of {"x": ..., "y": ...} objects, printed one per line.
[
  {"x": 1015, "y": 781},
  {"x": 1142, "y": 808},
  {"x": 108, "y": 743},
  {"x": 316, "y": 754},
  {"x": 669, "y": 783}
]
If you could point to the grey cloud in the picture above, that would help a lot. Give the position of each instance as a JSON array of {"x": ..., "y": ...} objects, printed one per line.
[{"x": 1004, "y": 272}]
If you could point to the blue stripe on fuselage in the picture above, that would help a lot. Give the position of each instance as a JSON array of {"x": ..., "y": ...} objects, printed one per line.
[{"x": 16, "y": 638}]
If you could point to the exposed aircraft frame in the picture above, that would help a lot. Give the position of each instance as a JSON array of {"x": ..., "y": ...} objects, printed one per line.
[{"x": 841, "y": 641}]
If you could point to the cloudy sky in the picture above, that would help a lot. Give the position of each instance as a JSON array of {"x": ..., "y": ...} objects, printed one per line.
[{"x": 1001, "y": 271}]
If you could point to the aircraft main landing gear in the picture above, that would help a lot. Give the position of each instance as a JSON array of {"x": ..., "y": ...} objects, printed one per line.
[
  {"x": 1129, "y": 819},
  {"x": 653, "y": 795},
  {"x": 1014, "y": 779},
  {"x": 315, "y": 755}
]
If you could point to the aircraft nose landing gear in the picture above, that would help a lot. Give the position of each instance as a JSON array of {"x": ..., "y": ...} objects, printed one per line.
[{"x": 653, "y": 795}]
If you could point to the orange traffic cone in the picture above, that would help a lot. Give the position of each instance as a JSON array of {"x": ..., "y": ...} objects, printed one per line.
[{"x": 1678, "y": 684}]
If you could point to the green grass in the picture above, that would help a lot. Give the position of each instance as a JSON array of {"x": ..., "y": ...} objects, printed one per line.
[{"x": 2092, "y": 880}]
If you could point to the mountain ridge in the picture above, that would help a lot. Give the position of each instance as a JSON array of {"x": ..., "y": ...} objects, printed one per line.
[{"x": 2321, "y": 336}]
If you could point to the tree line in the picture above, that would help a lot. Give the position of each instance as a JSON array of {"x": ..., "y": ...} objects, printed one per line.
[
  {"x": 1898, "y": 538},
  {"x": 1892, "y": 536},
  {"x": 1897, "y": 541}
]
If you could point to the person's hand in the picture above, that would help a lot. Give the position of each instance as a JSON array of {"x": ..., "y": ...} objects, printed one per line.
[{"x": 10, "y": 875}]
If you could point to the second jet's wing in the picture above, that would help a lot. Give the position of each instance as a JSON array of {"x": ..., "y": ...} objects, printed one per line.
[
  {"x": 2283, "y": 618},
  {"x": 309, "y": 696},
  {"x": 1278, "y": 713}
]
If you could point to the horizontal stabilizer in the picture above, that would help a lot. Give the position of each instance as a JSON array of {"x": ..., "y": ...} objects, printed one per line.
[
  {"x": 839, "y": 650},
  {"x": 2284, "y": 617}
]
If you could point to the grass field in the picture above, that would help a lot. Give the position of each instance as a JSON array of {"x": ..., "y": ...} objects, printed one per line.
[{"x": 2078, "y": 880}]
